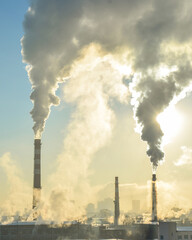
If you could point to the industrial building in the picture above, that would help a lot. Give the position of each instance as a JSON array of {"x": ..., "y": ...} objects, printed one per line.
[
  {"x": 170, "y": 231},
  {"x": 45, "y": 231},
  {"x": 50, "y": 231}
]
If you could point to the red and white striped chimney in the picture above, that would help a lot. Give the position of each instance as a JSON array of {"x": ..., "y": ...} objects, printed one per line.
[{"x": 37, "y": 173}]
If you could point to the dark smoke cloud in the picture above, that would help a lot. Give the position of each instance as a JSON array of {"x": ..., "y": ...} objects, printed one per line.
[{"x": 155, "y": 96}]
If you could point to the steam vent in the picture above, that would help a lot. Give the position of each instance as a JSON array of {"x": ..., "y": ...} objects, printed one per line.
[
  {"x": 154, "y": 199},
  {"x": 37, "y": 173}
]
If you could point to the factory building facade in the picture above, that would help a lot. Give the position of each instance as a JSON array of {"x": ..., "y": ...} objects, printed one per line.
[
  {"x": 170, "y": 231},
  {"x": 50, "y": 231},
  {"x": 76, "y": 230}
]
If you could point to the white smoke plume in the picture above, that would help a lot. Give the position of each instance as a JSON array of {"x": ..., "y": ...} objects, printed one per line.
[
  {"x": 90, "y": 129},
  {"x": 185, "y": 158},
  {"x": 19, "y": 193},
  {"x": 55, "y": 31}
]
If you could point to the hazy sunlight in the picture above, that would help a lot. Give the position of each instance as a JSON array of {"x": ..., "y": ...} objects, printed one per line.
[{"x": 170, "y": 121}]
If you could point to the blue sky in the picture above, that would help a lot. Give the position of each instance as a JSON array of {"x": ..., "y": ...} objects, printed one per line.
[{"x": 14, "y": 87}]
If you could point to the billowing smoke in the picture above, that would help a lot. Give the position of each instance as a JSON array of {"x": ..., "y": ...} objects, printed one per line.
[
  {"x": 162, "y": 68},
  {"x": 154, "y": 97},
  {"x": 18, "y": 196},
  {"x": 152, "y": 94},
  {"x": 152, "y": 30},
  {"x": 90, "y": 129},
  {"x": 55, "y": 31},
  {"x": 49, "y": 28}
]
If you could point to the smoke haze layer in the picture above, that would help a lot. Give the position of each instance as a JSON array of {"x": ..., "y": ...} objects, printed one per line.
[
  {"x": 19, "y": 193},
  {"x": 90, "y": 129}
]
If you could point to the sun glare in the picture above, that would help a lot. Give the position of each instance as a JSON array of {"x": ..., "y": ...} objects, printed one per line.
[{"x": 170, "y": 121}]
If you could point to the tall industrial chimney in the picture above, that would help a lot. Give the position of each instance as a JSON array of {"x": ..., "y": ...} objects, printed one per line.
[
  {"x": 116, "y": 202},
  {"x": 154, "y": 199},
  {"x": 37, "y": 174}
]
